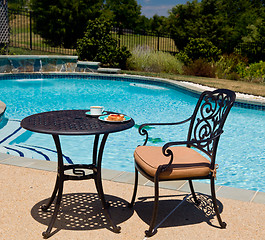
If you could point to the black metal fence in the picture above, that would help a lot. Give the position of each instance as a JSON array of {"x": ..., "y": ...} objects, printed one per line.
[
  {"x": 22, "y": 36},
  {"x": 155, "y": 41}
]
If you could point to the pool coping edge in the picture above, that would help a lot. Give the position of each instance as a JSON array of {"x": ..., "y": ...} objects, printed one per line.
[{"x": 128, "y": 178}]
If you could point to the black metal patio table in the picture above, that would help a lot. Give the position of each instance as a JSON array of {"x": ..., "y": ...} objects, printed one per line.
[{"x": 75, "y": 122}]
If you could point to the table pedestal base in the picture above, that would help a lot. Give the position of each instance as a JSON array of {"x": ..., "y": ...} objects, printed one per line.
[{"x": 78, "y": 173}]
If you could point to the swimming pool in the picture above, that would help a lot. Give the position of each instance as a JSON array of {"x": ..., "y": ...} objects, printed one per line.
[{"x": 241, "y": 152}]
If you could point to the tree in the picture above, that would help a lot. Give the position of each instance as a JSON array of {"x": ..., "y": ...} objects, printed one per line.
[
  {"x": 223, "y": 22},
  {"x": 17, "y": 4},
  {"x": 62, "y": 22},
  {"x": 98, "y": 45},
  {"x": 158, "y": 24},
  {"x": 126, "y": 13},
  {"x": 184, "y": 21},
  {"x": 143, "y": 25}
]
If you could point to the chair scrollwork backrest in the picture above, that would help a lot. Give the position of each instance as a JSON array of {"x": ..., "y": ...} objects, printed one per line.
[{"x": 208, "y": 119}]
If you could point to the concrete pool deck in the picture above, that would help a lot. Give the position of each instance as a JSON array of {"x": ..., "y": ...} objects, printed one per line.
[{"x": 27, "y": 184}]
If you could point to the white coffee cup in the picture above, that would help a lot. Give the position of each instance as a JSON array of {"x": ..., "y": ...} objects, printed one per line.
[{"x": 96, "y": 110}]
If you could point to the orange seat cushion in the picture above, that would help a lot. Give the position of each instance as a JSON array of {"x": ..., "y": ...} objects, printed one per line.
[{"x": 187, "y": 163}]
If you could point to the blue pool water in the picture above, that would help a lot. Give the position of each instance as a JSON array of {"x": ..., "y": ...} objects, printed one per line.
[{"x": 241, "y": 153}]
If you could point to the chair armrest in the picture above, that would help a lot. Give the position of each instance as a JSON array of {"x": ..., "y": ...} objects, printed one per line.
[
  {"x": 168, "y": 153},
  {"x": 143, "y": 131}
]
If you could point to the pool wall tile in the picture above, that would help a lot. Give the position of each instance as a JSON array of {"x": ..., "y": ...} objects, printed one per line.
[
  {"x": 37, "y": 63},
  {"x": 49, "y": 65},
  {"x": 5, "y": 66}
]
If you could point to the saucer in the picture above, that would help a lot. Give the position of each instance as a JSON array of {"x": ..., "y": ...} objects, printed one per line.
[{"x": 89, "y": 114}]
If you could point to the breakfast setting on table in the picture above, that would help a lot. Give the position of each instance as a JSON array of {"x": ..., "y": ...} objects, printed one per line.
[{"x": 98, "y": 111}]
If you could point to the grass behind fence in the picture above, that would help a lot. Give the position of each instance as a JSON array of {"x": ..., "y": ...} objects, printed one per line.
[
  {"x": 131, "y": 41},
  {"x": 21, "y": 35}
]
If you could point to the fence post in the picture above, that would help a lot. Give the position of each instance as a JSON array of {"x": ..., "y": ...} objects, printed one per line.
[
  {"x": 30, "y": 30},
  {"x": 157, "y": 41},
  {"x": 119, "y": 36}
]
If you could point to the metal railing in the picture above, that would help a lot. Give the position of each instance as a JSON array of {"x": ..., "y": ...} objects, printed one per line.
[
  {"x": 155, "y": 41},
  {"x": 22, "y": 35}
]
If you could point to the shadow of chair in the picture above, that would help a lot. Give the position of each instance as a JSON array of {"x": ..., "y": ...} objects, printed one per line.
[
  {"x": 195, "y": 159},
  {"x": 188, "y": 214}
]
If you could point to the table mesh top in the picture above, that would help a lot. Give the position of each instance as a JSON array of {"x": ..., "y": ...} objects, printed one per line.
[{"x": 71, "y": 122}]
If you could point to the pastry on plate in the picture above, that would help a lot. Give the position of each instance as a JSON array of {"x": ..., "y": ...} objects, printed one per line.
[{"x": 116, "y": 117}]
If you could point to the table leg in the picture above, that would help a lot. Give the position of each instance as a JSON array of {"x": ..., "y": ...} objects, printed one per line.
[
  {"x": 97, "y": 173},
  {"x": 98, "y": 183},
  {"x": 45, "y": 207},
  {"x": 58, "y": 188},
  {"x": 46, "y": 234}
]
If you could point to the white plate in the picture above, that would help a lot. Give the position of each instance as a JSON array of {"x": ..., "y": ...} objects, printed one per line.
[
  {"x": 89, "y": 114},
  {"x": 105, "y": 119}
]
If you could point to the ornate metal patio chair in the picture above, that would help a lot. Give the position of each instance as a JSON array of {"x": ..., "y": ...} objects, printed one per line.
[{"x": 175, "y": 162}]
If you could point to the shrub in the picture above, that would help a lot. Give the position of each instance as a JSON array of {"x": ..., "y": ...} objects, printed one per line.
[
  {"x": 98, "y": 45},
  {"x": 255, "y": 72},
  {"x": 230, "y": 66},
  {"x": 3, "y": 49},
  {"x": 145, "y": 59},
  {"x": 183, "y": 57},
  {"x": 201, "y": 48},
  {"x": 252, "y": 50},
  {"x": 201, "y": 68}
]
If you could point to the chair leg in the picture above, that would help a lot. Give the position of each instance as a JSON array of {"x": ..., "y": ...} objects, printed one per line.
[
  {"x": 222, "y": 224},
  {"x": 130, "y": 205},
  {"x": 151, "y": 230},
  {"x": 197, "y": 202}
]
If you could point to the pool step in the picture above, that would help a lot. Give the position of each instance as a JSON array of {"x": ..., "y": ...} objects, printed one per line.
[
  {"x": 10, "y": 133},
  {"x": 15, "y": 151},
  {"x": 10, "y": 130},
  {"x": 13, "y": 137},
  {"x": 109, "y": 70},
  {"x": 86, "y": 66}
]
